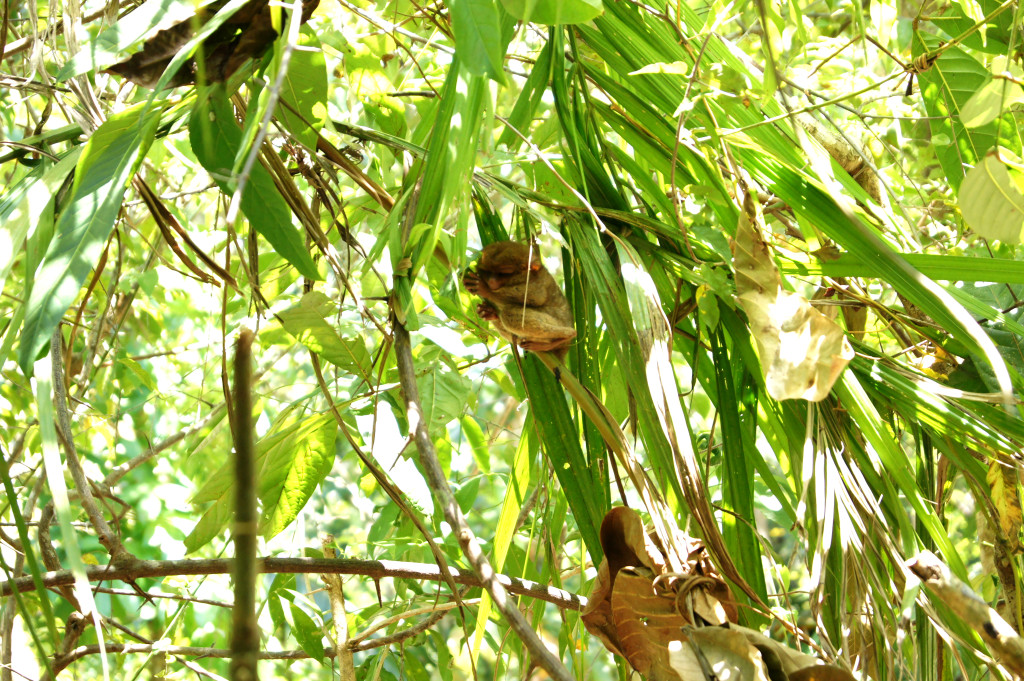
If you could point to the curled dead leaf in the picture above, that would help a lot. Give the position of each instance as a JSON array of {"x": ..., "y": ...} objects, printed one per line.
[{"x": 680, "y": 627}]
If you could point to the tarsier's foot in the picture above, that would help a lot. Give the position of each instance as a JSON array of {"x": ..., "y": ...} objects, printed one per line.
[
  {"x": 543, "y": 345},
  {"x": 486, "y": 311},
  {"x": 472, "y": 283}
]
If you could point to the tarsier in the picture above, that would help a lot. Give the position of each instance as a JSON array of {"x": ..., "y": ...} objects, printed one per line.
[{"x": 521, "y": 298}]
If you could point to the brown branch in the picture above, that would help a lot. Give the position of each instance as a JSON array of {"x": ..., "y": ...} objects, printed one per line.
[
  {"x": 106, "y": 536},
  {"x": 1001, "y": 638},
  {"x": 245, "y": 632},
  {"x": 346, "y": 664},
  {"x": 375, "y": 569},
  {"x": 64, "y": 661}
]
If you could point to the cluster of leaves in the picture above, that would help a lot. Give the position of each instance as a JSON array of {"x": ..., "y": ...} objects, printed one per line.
[{"x": 337, "y": 184}]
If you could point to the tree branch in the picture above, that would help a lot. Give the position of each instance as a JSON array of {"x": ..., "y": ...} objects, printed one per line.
[
  {"x": 375, "y": 569},
  {"x": 453, "y": 514}
]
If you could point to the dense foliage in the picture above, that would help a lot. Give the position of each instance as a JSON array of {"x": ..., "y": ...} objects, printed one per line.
[{"x": 676, "y": 164}]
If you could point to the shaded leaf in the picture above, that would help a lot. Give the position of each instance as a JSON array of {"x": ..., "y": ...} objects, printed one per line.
[
  {"x": 304, "y": 91},
  {"x": 307, "y": 633},
  {"x": 108, "y": 162},
  {"x": 478, "y": 37},
  {"x": 213, "y": 522},
  {"x": 443, "y": 393},
  {"x": 216, "y": 137}
]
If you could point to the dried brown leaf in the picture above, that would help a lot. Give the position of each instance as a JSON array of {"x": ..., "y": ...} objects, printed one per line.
[
  {"x": 246, "y": 35},
  {"x": 802, "y": 351}
]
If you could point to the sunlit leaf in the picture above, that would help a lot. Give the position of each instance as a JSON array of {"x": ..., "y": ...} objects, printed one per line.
[
  {"x": 292, "y": 469},
  {"x": 308, "y": 322},
  {"x": 554, "y": 12}
]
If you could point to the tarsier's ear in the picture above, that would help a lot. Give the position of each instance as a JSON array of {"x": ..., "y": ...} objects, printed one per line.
[{"x": 535, "y": 265}]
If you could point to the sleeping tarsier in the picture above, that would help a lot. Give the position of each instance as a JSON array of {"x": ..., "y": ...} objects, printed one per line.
[{"x": 521, "y": 298}]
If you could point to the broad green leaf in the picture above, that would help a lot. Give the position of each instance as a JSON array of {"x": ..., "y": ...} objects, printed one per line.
[
  {"x": 994, "y": 34},
  {"x": 991, "y": 202},
  {"x": 108, "y": 162},
  {"x": 444, "y": 393},
  {"x": 308, "y": 633},
  {"x": 216, "y": 137},
  {"x": 990, "y": 101},
  {"x": 478, "y": 37},
  {"x": 292, "y": 469},
  {"x": 308, "y": 322},
  {"x": 277, "y": 596},
  {"x": 291, "y": 460},
  {"x": 303, "y": 108},
  {"x": 946, "y": 88},
  {"x": 554, "y": 12},
  {"x": 213, "y": 522}
]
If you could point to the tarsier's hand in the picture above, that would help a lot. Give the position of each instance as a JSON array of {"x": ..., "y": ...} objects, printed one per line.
[
  {"x": 472, "y": 282},
  {"x": 486, "y": 311}
]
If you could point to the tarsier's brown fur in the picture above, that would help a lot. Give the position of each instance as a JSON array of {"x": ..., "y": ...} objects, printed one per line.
[{"x": 521, "y": 298}]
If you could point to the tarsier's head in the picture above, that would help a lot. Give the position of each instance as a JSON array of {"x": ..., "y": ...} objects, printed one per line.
[
  {"x": 503, "y": 260},
  {"x": 509, "y": 257}
]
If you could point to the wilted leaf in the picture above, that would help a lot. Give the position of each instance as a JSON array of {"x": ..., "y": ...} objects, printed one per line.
[
  {"x": 802, "y": 351},
  {"x": 245, "y": 35},
  {"x": 1002, "y": 480},
  {"x": 991, "y": 202},
  {"x": 647, "y": 622},
  {"x": 724, "y": 652},
  {"x": 635, "y": 606}
]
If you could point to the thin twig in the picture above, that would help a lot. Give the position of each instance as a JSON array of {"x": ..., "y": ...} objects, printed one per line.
[{"x": 453, "y": 514}]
